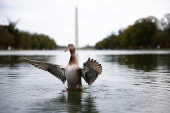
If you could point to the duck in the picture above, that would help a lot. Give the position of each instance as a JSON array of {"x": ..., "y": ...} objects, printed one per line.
[{"x": 72, "y": 73}]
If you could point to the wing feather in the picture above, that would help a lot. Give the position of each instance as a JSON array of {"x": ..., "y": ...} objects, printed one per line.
[
  {"x": 56, "y": 70},
  {"x": 90, "y": 71}
]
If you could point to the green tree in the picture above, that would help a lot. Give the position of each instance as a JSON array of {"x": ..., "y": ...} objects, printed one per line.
[
  {"x": 139, "y": 34},
  {"x": 98, "y": 45},
  {"x": 11, "y": 36},
  {"x": 166, "y": 27},
  {"x": 11, "y": 28},
  {"x": 166, "y": 23},
  {"x": 126, "y": 40},
  {"x": 160, "y": 38},
  {"x": 25, "y": 40},
  {"x": 144, "y": 33},
  {"x": 6, "y": 39}
]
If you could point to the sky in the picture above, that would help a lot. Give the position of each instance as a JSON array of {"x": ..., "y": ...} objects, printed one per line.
[{"x": 96, "y": 18}]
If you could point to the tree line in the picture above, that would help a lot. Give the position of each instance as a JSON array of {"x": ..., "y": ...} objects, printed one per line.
[
  {"x": 10, "y": 36},
  {"x": 145, "y": 33}
]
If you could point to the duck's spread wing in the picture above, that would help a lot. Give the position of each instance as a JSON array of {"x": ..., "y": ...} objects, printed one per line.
[
  {"x": 56, "y": 70},
  {"x": 90, "y": 71}
]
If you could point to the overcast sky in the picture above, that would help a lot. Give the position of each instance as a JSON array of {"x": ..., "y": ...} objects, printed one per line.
[{"x": 96, "y": 18}]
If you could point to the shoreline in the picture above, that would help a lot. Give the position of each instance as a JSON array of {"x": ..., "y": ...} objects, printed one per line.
[{"x": 163, "y": 49}]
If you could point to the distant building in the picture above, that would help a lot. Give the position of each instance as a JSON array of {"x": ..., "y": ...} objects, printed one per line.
[{"x": 76, "y": 30}]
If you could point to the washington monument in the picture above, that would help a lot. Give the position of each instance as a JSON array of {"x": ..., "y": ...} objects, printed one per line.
[{"x": 76, "y": 30}]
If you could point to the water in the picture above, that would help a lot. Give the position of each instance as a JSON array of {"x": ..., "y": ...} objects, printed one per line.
[{"x": 131, "y": 82}]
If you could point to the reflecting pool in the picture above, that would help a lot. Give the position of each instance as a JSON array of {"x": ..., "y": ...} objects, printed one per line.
[{"x": 131, "y": 82}]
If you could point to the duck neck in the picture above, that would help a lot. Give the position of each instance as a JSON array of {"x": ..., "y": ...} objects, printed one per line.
[{"x": 73, "y": 59}]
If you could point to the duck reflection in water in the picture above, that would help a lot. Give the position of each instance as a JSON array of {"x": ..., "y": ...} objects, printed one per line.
[{"x": 73, "y": 101}]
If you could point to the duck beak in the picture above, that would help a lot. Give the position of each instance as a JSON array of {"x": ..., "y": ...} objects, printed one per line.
[{"x": 68, "y": 49}]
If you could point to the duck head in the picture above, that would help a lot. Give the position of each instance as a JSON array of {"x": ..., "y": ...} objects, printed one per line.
[{"x": 70, "y": 48}]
